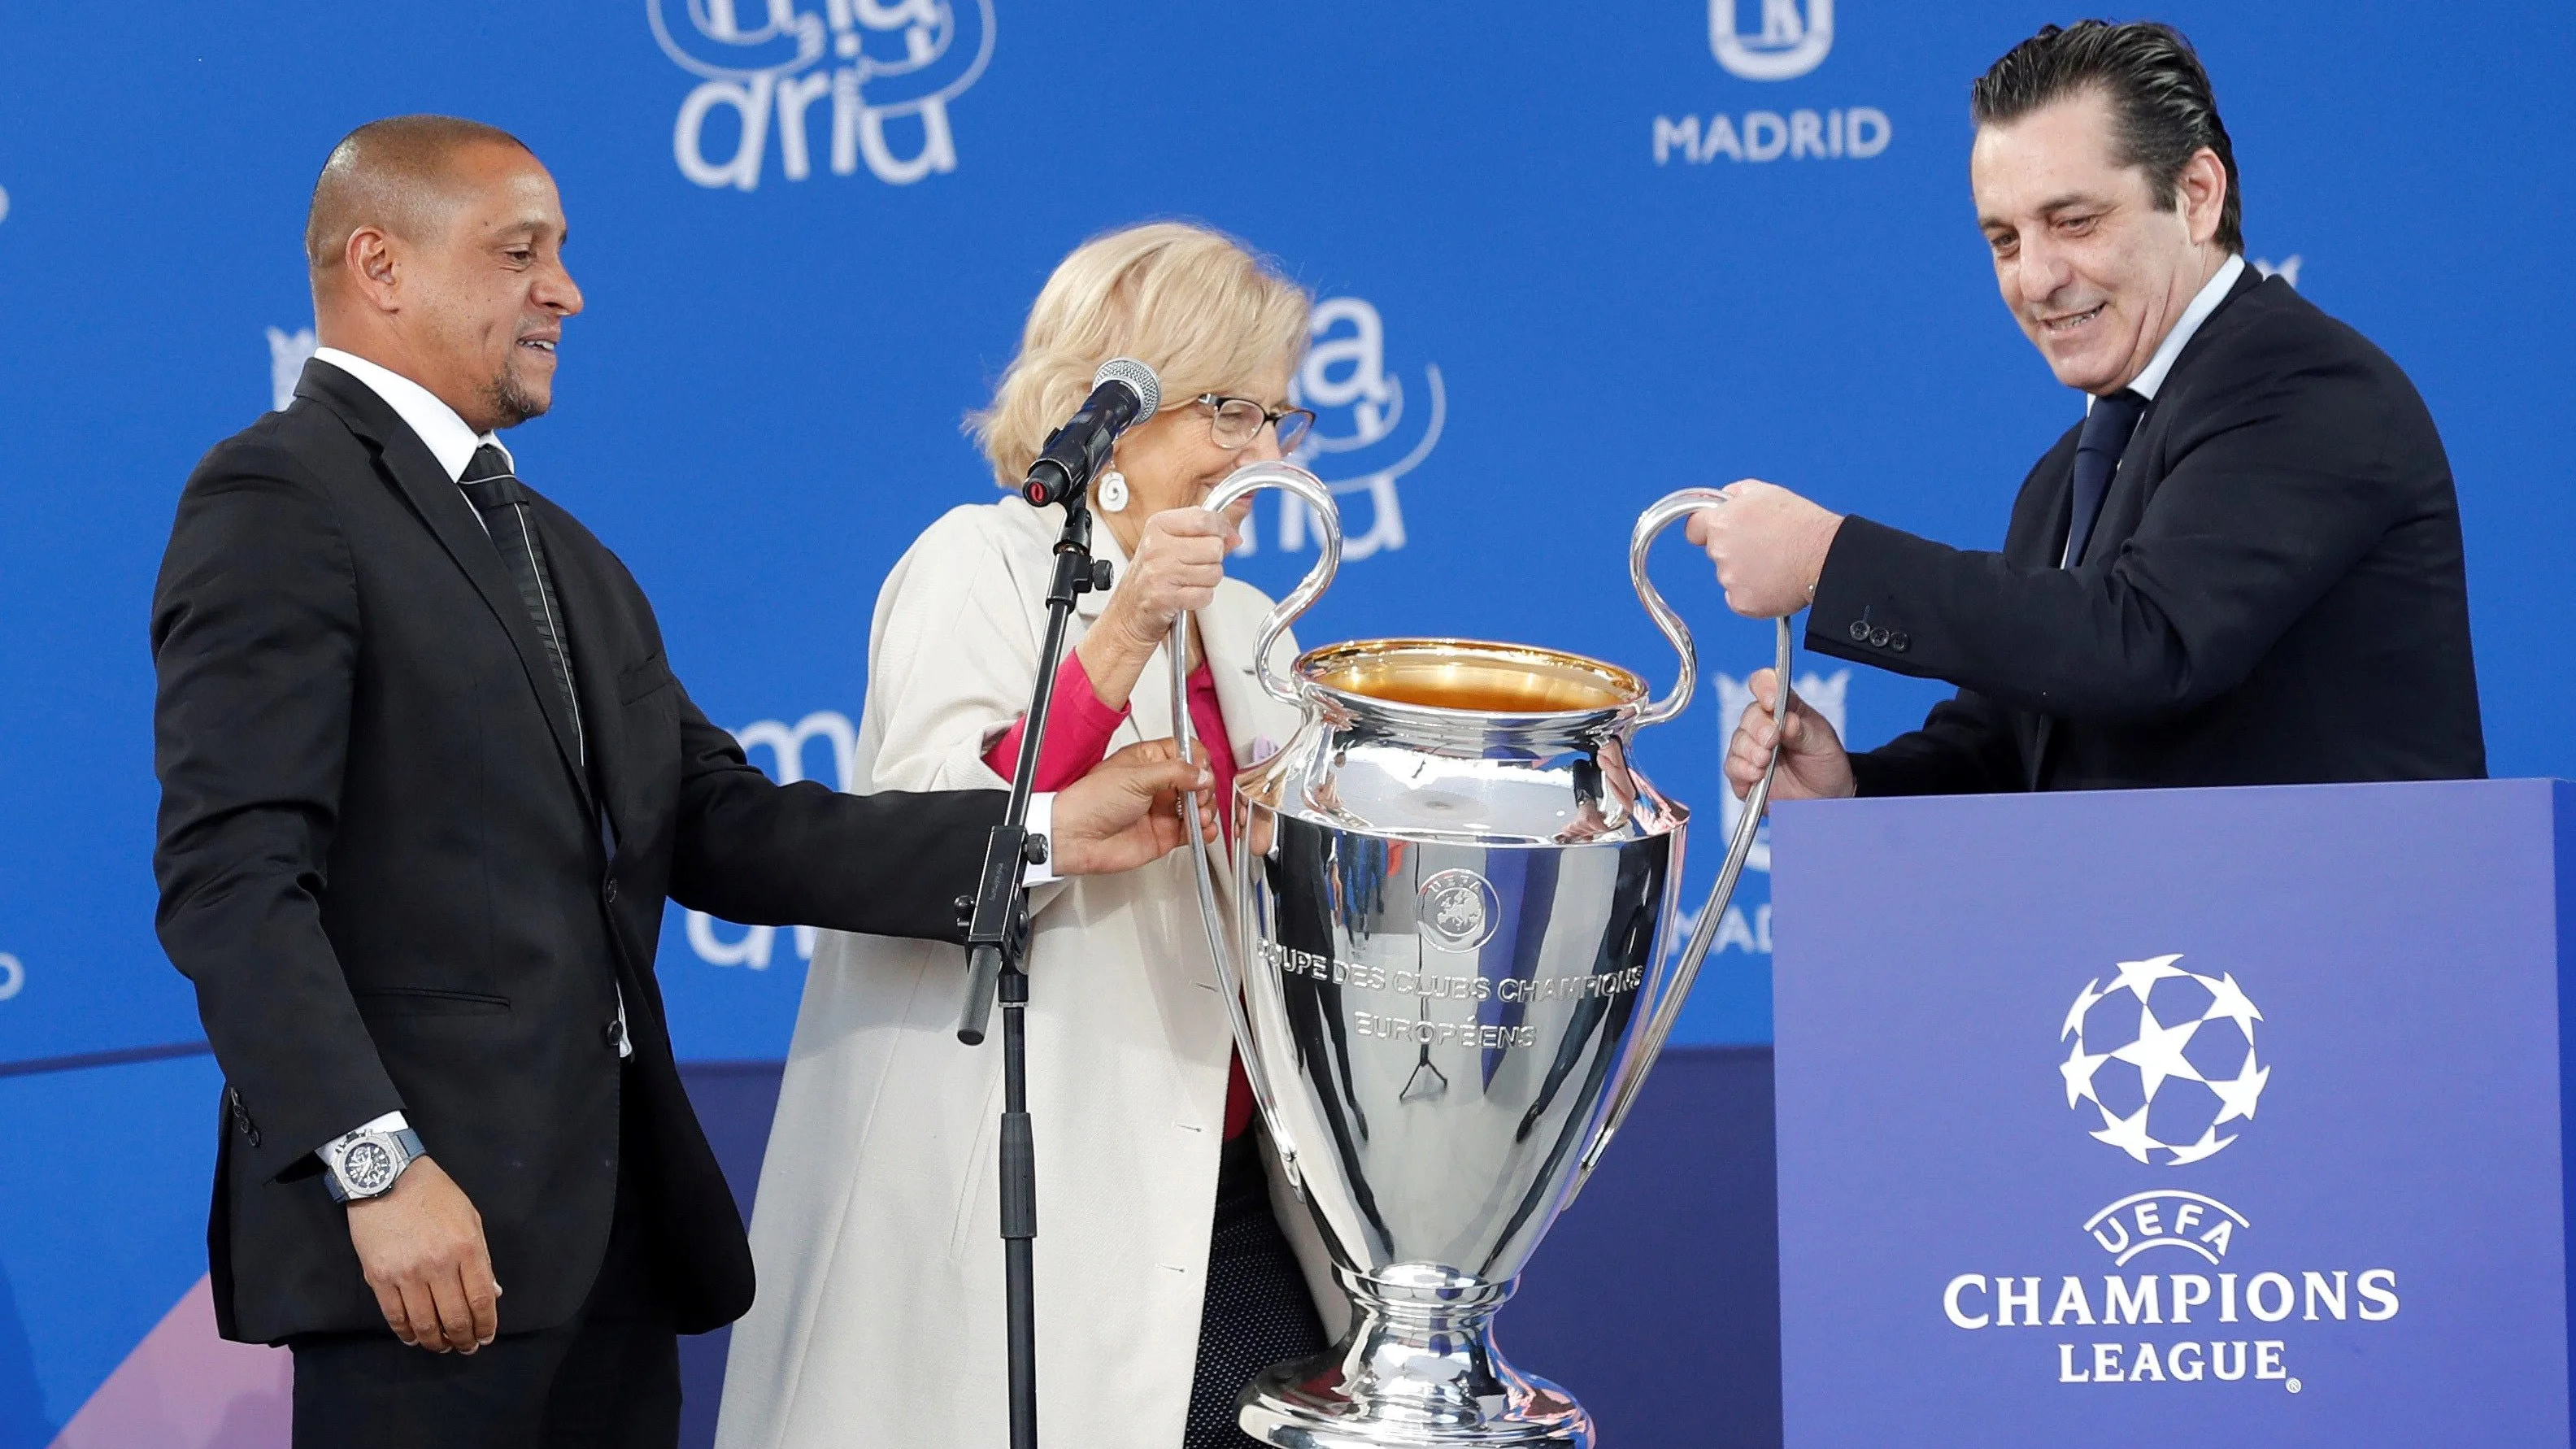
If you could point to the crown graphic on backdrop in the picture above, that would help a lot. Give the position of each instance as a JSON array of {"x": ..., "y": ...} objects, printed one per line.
[{"x": 2166, "y": 1056}]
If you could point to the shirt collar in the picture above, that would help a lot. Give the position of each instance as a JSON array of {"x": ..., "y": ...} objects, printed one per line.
[{"x": 450, "y": 439}]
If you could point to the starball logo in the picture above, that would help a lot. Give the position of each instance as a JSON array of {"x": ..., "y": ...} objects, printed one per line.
[
  {"x": 1768, "y": 41},
  {"x": 2175, "y": 1077},
  {"x": 853, "y": 81}
]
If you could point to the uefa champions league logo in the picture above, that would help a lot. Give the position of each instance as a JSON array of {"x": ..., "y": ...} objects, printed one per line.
[{"x": 2167, "y": 1057}]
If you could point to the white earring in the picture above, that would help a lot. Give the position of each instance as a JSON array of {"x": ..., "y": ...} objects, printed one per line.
[{"x": 1111, "y": 491}]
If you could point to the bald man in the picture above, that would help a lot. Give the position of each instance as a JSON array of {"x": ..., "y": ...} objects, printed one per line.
[{"x": 427, "y": 778}]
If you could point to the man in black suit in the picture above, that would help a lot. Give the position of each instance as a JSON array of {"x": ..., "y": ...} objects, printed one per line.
[
  {"x": 2243, "y": 567},
  {"x": 427, "y": 779}
]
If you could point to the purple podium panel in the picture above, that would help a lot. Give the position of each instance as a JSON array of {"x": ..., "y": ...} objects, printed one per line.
[{"x": 2190, "y": 1117}]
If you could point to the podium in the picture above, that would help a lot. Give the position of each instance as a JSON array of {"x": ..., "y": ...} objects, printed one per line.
[{"x": 2176, "y": 1117}]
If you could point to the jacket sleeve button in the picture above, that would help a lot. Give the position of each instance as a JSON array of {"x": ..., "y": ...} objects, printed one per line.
[
  {"x": 1878, "y": 638},
  {"x": 1899, "y": 641},
  {"x": 1859, "y": 632}
]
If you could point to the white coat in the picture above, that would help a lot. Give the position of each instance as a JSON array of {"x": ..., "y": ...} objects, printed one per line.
[{"x": 879, "y": 1319}]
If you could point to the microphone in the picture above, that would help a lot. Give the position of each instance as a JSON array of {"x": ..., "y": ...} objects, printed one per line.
[{"x": 1124, "y": 392}]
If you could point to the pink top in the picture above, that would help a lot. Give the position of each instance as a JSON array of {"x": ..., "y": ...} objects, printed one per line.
[{"x": 1078, "y": 729}]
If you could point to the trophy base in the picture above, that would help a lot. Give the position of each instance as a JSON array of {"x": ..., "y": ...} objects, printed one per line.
[{"x": 1417, "y": 1370}]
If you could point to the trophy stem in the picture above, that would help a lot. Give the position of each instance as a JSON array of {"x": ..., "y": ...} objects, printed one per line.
[{"x": 1418, "y": 1367}]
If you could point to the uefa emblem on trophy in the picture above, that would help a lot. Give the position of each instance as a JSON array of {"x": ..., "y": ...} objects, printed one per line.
[{"x": 1443, "y": 950}]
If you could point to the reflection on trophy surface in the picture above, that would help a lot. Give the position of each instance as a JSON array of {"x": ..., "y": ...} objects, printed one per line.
[{"x": 1444, "y": 951}]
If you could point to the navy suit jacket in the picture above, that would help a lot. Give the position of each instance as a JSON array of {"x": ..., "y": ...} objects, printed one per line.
[{"x": 2274, "y": 592}]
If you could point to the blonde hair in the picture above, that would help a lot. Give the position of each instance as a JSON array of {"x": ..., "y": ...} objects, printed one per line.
[{"x": 1199, "y": 307}]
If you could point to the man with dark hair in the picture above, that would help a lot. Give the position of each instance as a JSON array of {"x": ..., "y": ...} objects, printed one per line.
[
  {"x": 2242, "y": 567},
  {"x": 427, "y": 779}
]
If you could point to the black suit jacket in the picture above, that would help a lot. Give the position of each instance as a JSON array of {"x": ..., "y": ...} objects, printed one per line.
[
  {"x": 2273, "y": 593},
  {"x": 389, "y": 881}
]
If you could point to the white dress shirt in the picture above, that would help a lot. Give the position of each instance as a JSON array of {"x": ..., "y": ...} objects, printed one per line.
[{"x": 451, "y": 439}]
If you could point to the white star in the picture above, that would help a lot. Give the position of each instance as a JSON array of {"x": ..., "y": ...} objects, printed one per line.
[
  {"x": 2208, "y": 1144},
  {"x": 2158, "y": 1050},
  {"x": 2227, "y": 999},
  {"x": 2083, "y": 1004},
  {"x": 2238, "y": 1096},
  {"x": 2078, "y": 1069},
  {"x": 2138, "y": 977},
  {"x": 2129, "y": 1133}
]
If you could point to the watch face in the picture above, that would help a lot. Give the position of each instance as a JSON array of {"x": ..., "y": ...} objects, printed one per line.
[{"x": 367, "y": 1167}]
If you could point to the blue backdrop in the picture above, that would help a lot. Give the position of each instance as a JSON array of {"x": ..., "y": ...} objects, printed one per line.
[{"x": 1570, "y": 259}]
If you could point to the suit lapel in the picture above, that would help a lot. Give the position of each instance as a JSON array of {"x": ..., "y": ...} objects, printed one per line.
[{"x": 436, "y": 499}]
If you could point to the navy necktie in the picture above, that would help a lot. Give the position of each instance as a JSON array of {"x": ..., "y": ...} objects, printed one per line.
[
  {"x": 503, "y": 502},
  {"x": 2097, "y": 456}
]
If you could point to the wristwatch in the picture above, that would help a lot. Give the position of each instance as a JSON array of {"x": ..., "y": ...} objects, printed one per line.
[{"x": 368, "y": 1162}]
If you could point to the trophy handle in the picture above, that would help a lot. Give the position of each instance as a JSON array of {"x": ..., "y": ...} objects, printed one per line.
[
  {"x": 1242, "y": 483},
  {"x": 1672, "y": 988}
]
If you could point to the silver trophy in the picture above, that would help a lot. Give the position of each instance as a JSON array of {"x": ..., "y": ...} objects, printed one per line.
[{"x": 1446, "y": 968}]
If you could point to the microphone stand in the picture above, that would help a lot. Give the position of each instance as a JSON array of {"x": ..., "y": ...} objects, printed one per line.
[{"x": 997, "y": 939}]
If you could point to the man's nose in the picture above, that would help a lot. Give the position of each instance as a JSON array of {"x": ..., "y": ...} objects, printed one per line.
[
  {"x": 2042, "y": 271},
  {"x": 557, "y": 292}
]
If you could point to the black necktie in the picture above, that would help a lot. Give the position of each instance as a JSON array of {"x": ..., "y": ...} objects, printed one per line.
[
  {"x": 498, "y": 496},
  {"x": 2097, "y": 456}
]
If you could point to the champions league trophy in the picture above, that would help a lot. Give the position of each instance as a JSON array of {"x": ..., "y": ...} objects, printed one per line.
[{"x": 1450, "y": 898}]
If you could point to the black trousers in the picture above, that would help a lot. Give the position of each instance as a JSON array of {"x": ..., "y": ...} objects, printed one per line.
[
  {"x": 610, "y": 1377},
  {"x": 1259, "y": 1311}
]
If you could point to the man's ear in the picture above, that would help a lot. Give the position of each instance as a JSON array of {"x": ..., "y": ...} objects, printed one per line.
[
  {"x": 2201, "y": 192},
  {"x": 374, "y": 267}
]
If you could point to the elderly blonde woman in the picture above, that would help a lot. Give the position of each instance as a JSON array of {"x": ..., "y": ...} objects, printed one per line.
[{"x": 1170, "y": 1266}]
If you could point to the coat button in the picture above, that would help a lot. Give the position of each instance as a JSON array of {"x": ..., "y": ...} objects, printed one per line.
[
  {"x": 1859, "y": 632},
  {"x": 1899, "y": 641},
  {"x": 1878, "y": 638},
  {"x": 610, "y": 890},
  {"x": 614, "y": 1033}
]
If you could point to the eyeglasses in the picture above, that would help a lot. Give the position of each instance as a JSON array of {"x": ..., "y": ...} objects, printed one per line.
[{"x": 1235, "y": 421}]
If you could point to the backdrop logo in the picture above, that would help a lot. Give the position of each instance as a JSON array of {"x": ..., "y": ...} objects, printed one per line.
[
  {"x": 1368, "y": 433},
  {"x": 2287, "y": 271},
  {"x": 287, "y": 352},
  {"x": 787, "y": 746},
  {"x": 1785, "y": 43},
  {"x": 2164, "y": 1089},
  {"x": 1788, "y": 45},
  {"x": 13, "y": 976},
  {"x": 884, "y": 73}
]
